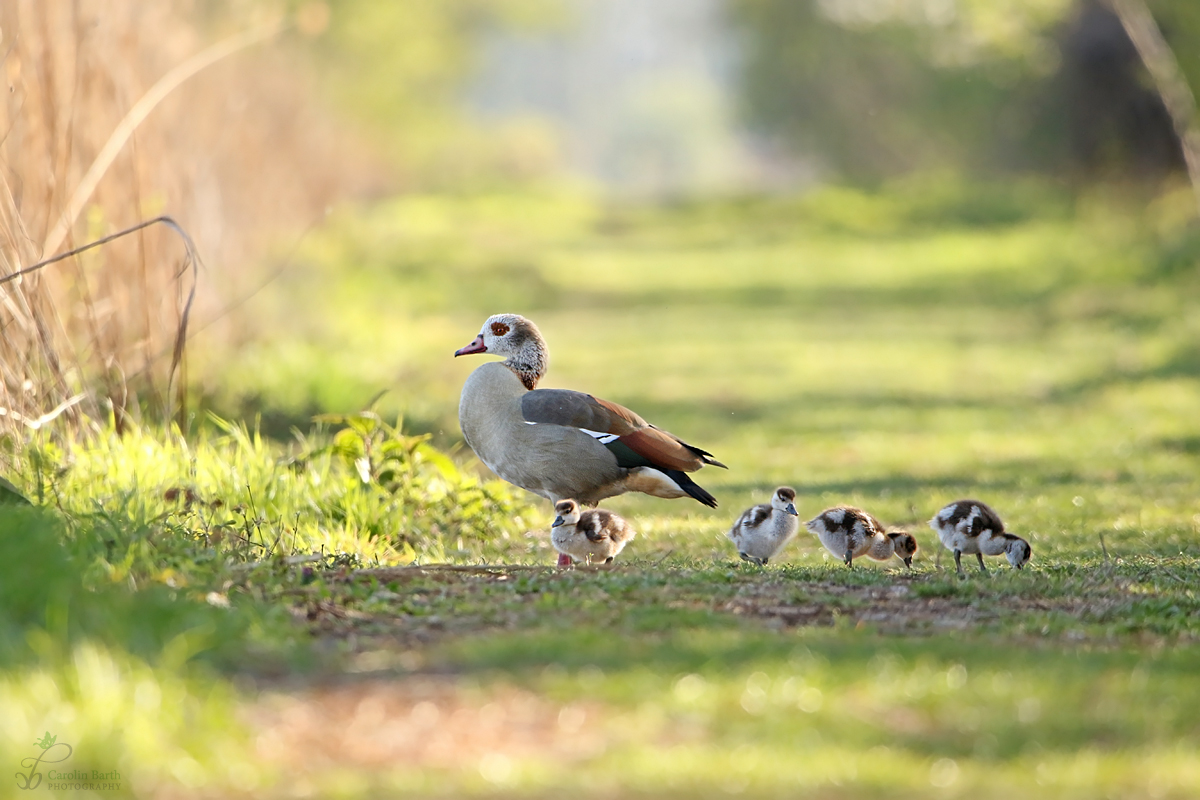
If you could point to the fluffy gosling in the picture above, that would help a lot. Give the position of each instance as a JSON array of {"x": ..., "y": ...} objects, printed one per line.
[
  {"x": 586, "y": 535},
  {"x": 850, "y": 532},
  {"x": 765, "y": 529},
  {"x": 971, "y": 526}
]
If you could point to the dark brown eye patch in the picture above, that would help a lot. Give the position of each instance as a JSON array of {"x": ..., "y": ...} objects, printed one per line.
[{"x": 499, "y": 329}]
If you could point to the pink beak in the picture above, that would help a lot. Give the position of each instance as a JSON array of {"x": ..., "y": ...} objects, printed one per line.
[
  {"x": 564, "y": 560},
  {"x": 476, "y": 346}
]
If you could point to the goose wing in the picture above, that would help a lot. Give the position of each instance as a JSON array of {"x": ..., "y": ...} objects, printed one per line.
[{"x": 633, "y": 441}]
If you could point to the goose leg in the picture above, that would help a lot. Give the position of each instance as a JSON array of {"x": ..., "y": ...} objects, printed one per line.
[
  {"x": 958, "y": 563},
  {"x": 849, "y": 557},
  {"x": 564, "y": 560},
  {"x": 981, "y": 565}
]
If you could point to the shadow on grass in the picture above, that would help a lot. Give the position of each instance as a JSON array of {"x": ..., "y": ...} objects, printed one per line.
[
  {"x": 1184, "y": 362},
  {"x": 1015, "y": 477}
]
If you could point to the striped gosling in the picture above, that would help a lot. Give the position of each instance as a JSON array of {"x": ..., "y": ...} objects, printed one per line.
[
  {"x": 593, "y": 535},
  {"x": 850, "y": 532},
  {"x": 762, "y": 531},
  {"x": 972, "y": 527}
]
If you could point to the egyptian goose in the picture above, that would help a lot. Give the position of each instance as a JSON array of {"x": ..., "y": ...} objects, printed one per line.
[
  {"x": 850, "y": 532},
  {"x": 763, "y": 530},
  {"x": 562, "y": 444},
  {"x": 971, "y": 526},
  {"x": 587, "y": 535}
]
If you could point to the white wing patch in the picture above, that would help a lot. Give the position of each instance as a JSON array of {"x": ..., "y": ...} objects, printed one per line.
[{"x": 603, "y": 438}]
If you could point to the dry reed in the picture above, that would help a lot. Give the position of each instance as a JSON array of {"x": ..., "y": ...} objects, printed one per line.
[{"x": 235, "y": 153}]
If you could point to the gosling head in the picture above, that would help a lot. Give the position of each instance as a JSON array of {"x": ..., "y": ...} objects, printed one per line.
[
  {"x": 1017, "y": 550},
  {"x": 784, "y": 499},
  {"x": 904, "y": 544},
  {"x": 567, "y": 511}
]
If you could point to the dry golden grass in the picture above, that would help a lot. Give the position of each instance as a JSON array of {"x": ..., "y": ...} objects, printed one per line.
[{"x": 237, "y": 153}]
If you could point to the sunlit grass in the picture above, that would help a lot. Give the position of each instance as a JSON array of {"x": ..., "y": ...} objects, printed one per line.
[
  {"x": 836, "y": 714},
  {"x": 157, "y": 728},
  {"x": 895, "y": 350},
  {"x": 1044, "y": 362}
]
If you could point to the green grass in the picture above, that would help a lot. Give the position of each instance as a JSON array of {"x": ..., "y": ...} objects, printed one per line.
[
  {"x": 715, "y": 679},
  {"x": 896, "y": 350},
  {"x": 1038, "y": 359}
]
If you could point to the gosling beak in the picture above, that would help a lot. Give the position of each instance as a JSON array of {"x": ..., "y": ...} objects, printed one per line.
[
  {"x": 908, "y": 562},
  {"x": 557, "y": 521},
  {"x": 791, "y": 509},
  {"x": 476, "y": 346}
]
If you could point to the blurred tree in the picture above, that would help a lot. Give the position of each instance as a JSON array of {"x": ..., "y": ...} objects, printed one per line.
[
  {"x": 400, "y": 68},
  {"x": 878, "y": 87},
  {"x": 1162, "y": 64}
]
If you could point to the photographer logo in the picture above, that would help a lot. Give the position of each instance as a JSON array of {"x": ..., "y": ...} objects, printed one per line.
[{"x": 57, "y": 779}]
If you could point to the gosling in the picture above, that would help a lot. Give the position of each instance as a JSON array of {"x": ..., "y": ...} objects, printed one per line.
[
  {"x": 586, "y": 535},
  {"x": 764, "y": 530},
  {"x": 971, "y": 526},
  {"x": 850, "y": 532}
]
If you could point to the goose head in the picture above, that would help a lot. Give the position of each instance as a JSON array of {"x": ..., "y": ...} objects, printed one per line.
[
  {"x": 1017, "y": 550},
  {"x": 567, "y": 511},
  {"x": 515, "y": 338},
  {"x": 784, "y": 500},
  {"x": 904, "y": 544}
]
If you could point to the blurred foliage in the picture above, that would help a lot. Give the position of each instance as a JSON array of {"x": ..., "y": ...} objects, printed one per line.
[
  {"x": 401, "y": 67},
  {"x": 873, "y": 88},
  {"x": 112, "y": 671},
  {"x": 51, "y": 589},
  {"x": 161, "y": 728},
  {"x": 432, "y": 495},
  {"x": 404, "y": 283}
]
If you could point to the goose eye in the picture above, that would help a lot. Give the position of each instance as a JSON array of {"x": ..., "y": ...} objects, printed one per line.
[{"x": 499, "y": 329}]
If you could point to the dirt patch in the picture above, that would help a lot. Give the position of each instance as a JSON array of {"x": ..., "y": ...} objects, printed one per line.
[
  {"x": 896, "y": 608},
  {"x": 416, "y": 607},
  {"x": 420, "y": 721}
]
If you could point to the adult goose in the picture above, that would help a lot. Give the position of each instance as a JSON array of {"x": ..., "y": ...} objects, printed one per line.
[{"x": 562, "y": 444}]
